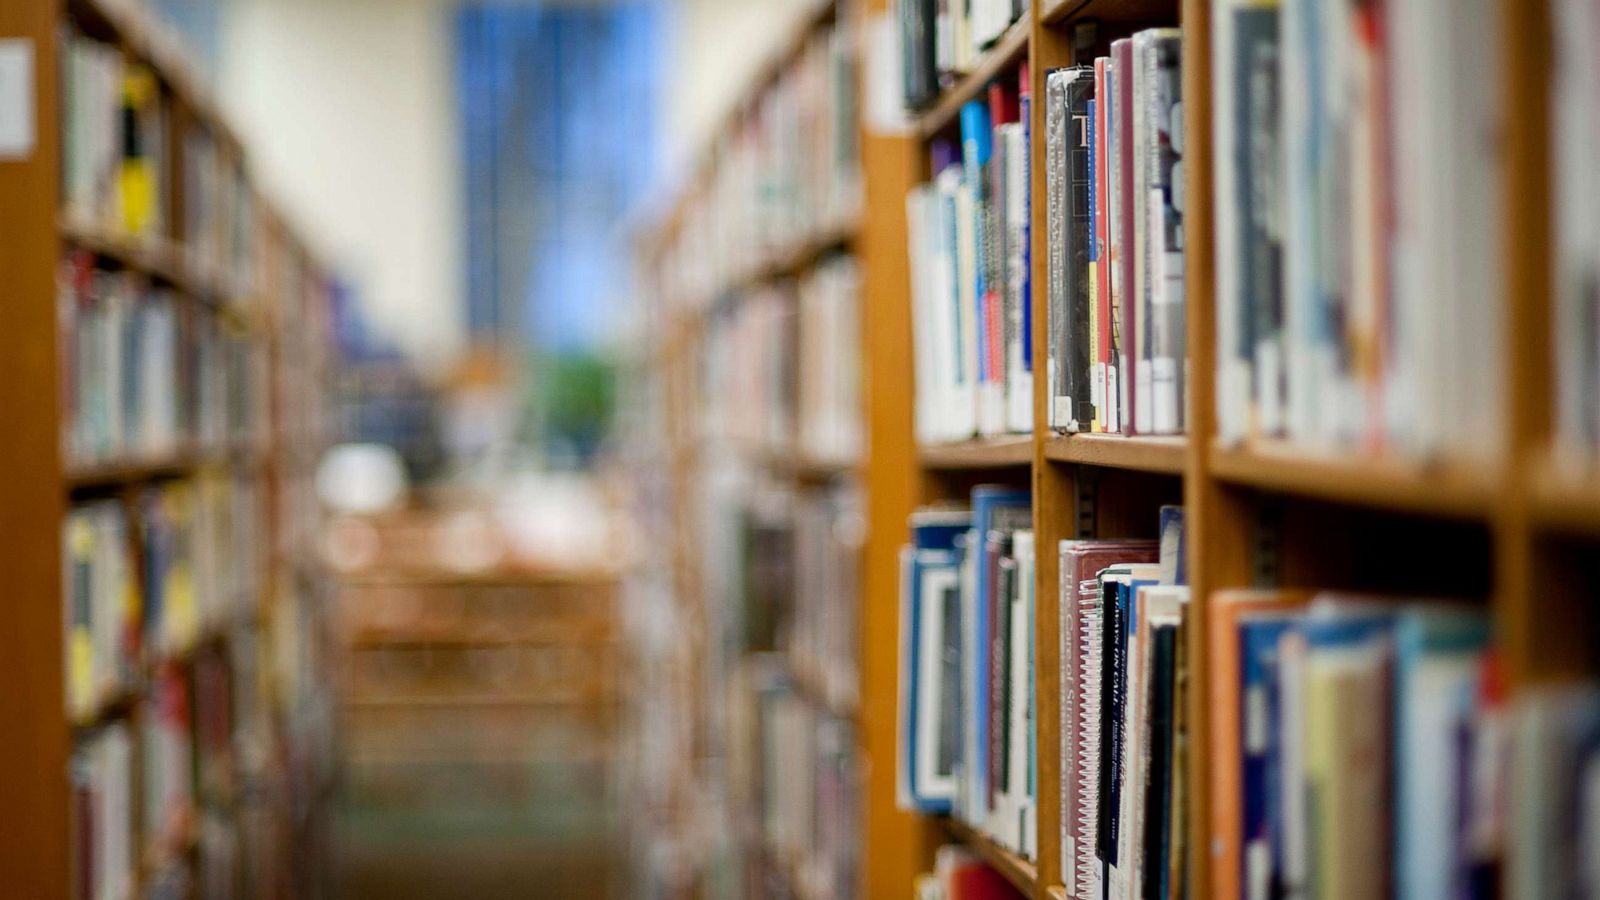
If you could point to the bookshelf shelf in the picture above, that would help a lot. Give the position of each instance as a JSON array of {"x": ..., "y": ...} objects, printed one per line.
[
  {"x": 1463, "y": 492},
  {"x": 986, "y": 453},
  {"x": 1166, "y": 455},
  {"x": 1022, "y": 874},
  {"x": 796, "y": 260},
  {"x": 1561, "y": 500},
  {"x": 154, "y": 257},
  {"x": 88, "y": 479},
  {"x": 1010, "y": 51}
]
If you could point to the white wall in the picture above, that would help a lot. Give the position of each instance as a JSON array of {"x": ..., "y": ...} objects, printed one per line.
[{"x": 347, "y": 108}]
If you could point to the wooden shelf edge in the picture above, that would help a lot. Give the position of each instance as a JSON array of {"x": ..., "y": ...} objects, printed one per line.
[
  {"x": 1166, "y": 455},
  {"x": 1022, "y": 874},
  {"x": 1068, "y": 12},
  {"x": 1056, "y": 892},
  {"x": 99, "y": 476},
  {"x": 159, "y": 259},
  {"x": 1563, "y": 499},
  {"x": 1435, "y": 489},
  {"x": 983, "y": 453},
  {"x": 1008, "y": 52}
]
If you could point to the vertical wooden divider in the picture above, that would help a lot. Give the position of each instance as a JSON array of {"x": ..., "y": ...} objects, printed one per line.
[
  {"x": 34, "y": 790},
  {"x": 1217, "y": 533},
  {"x": 899, "y": 844},
  {"x": 1054, "y": 484},
  {"x": 1524, "y": 96}
]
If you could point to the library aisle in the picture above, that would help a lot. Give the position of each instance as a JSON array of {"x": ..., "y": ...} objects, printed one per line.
[{"x": 800, "y": 449}]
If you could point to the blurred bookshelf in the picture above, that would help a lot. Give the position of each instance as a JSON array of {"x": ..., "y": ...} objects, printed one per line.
[{"x": 177, "y": 355}]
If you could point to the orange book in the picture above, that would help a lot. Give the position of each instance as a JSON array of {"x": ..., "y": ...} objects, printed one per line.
[{"x": 1223, "y": 700}]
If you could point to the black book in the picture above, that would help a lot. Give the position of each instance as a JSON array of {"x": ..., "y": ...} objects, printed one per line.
[
  {"x": 1112, "y": 686},
  {"x": 1158, "y": 789},
  {"x": 921, "y": 77},
  {"x": 1068, "y": 91}
]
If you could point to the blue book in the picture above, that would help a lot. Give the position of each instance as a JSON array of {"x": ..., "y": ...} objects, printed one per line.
[
  {"x": 977, "y": 145},
  {"x": 1438, "y": 652},
  {"x": 930, "y": 693},
  {"x": 1260, "y": 738},
  {"x": 995, "y": 509}
]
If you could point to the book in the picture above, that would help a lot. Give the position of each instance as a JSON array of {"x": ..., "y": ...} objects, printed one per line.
[
  {"x": 1158, "y": 60},
  {"x": 1068, "y": 93},
  {"x": 1227, "y": 721},
  {"x": 1575, "y": 323},
  {"x": 1081, "y": 604}
]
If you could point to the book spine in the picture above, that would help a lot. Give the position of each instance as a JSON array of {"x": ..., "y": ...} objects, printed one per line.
[
  {"x": 1055, "y": 148},
  {"x": 1079, "y": 287},
  {"x": 1167, "y": 351},
  {"x": 1123, "y": 317},
  {"x": 1097, "y": 385},
  {"x": 1105, "y": 376}
]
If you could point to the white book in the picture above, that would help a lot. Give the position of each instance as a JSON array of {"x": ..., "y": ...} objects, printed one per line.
[
  {"x": 921, "y": 221},
  {"x": 964, "y": 406},
  {"x": 936, "y": 781},
  {"x": 1019, "y": 381}
]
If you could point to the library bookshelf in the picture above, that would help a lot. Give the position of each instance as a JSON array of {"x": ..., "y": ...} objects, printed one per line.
[
  {"x": 1516, "y": 528},
  {"x": 269, "y": 306}
]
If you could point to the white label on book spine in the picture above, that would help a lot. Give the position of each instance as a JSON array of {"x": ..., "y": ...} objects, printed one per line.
[{"x": 17, "y": 132}]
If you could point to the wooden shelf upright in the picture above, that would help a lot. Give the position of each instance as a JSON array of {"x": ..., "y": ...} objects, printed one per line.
[{"x": 40, "y": 484}]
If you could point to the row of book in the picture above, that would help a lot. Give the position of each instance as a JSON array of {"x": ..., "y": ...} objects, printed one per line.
[
  {"x": 115, "y": 159},
  {"x": 1358, "y": 217},
  {"x": 831, "y": 429},
  {"x": 809, "y": 794},
  {"x": 145, "y": 791},
  {"x": 1575, "y": 113},
  {"x": 971, "y": 283},
  {"x": 146, "y": 589},
  {"x": 966, "y": 704},
  {"x": 786, "y": 173},
  {"x": 782, "y": 368},
  {"x": 944, "y": 39},
  {"x": 1355, "y": 727},
  {"x": 148, "y": 375},
  {"x": 120, "y": 170},
  {"x": 1114, "y": 216},
  {"x": 821, "y": 636}
]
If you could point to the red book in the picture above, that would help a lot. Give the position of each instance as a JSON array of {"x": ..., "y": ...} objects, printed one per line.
[
  {"x": 966, "y": 877},
  {"x": 1104, "y": 366}
]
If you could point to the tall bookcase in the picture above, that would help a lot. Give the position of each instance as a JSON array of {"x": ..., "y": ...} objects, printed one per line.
[
  {"x": 1519, "y": 529},
  {"x": 247, "y": 284}
]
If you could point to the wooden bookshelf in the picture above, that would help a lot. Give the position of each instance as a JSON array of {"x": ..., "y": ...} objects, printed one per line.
[
  {"x": 264, "y": 315},
  {"x": 1246, "y": 505}
]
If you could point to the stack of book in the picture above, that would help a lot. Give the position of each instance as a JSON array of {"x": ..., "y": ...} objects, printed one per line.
[
  {"x": 944, "y": 39},
  {"x": 103, "y": 627},
  {"x": 146, "y": 378},
  {"x": 749, "y": 372},
  {"x": 219, "y": 215},
  {"x": 970, "y": 276},
  {"x": 1114, "y": 214},
  {"x": 114, "y": 130},
  {"x": 786, "y": 171},
  {"x": 1123, "y": 734},
  {"x": 104, "y": 853},
  {"x": 829, "y": 359},
  {"x": 821, "y": 637},
  {"x": 809, "y": 793},
  {"x": 966, "y": 717},
  {"x": 123, "y": 398},
  {"x": 1575, "y": 106},
  {"x": 1357, "y": 222},
  {"x": 1353, "y": 728}
]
